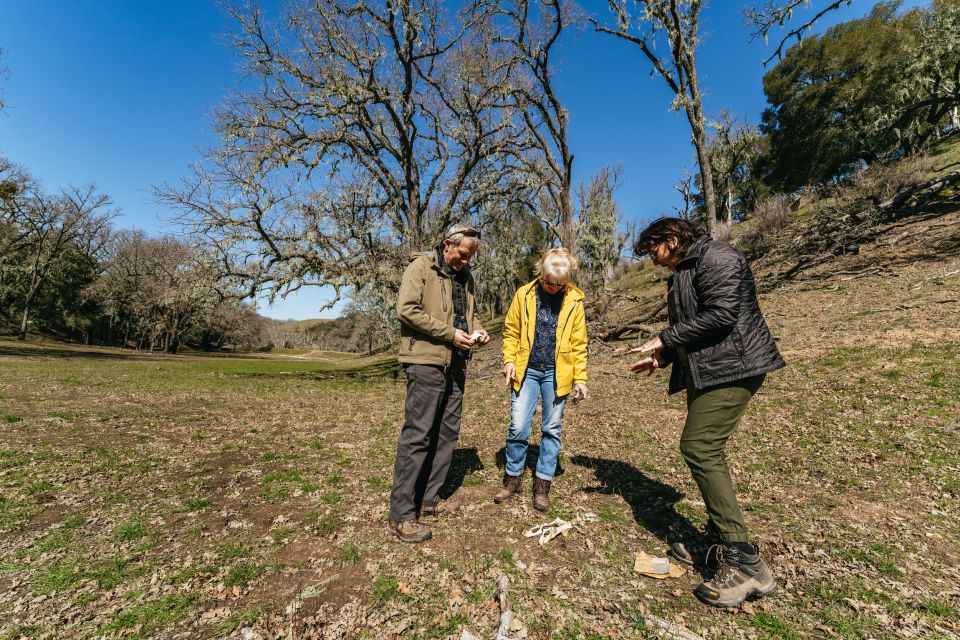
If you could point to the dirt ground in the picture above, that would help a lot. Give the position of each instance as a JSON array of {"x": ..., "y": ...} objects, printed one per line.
[{"x": 192, "y": 497}]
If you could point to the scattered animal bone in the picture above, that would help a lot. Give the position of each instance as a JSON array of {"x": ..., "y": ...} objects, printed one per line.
[
  {"x": 506, "y": 614},
  {"x": 549, "y": 530}
]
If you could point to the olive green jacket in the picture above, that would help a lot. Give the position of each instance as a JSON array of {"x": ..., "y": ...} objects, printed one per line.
[{"x": 425, "y": 309}]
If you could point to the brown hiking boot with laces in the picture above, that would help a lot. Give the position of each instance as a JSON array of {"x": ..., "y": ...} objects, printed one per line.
[
  {"x": 740, "y": 576},
  {"x": 697, "y": 552},
  {"x": 442, "y": 508},
  {"x": 410, "y": 531},
  {"x": 541, "y": 494},
  {"x": 511, "y": 486}
]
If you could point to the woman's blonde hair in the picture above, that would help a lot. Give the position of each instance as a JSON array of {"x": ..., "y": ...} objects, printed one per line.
[{"x": 558, "y": 264}]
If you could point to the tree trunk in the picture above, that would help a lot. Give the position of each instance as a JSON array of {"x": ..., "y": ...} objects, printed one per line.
[{"x": 23, "y": 324}]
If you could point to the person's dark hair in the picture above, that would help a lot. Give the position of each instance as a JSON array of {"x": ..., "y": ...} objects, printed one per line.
[{"x": 661, "y": 230}]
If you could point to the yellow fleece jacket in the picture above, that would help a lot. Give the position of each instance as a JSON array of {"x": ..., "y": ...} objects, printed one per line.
[{"x": 519, "y": 327}]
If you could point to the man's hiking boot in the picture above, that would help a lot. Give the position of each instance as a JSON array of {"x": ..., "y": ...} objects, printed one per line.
[
  {"x": 410, "y": 531},
  {"x": 541, "y": 494},
  {"x": 442, "y": 508},
  {"x": 740, "y": 576},
  {"x": 511, "y": 486},
  {"x": 696, "y": 552}
]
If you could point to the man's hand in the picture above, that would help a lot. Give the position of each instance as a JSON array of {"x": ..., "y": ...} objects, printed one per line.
[
  {"x": 484, "y": 337},
  {"x": 580, "y": 392},
  {"x": 509, "y": 372},
  {"x": 461, "y": 340}
]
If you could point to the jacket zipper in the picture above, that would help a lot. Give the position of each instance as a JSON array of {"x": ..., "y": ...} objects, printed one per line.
[
  {"x": 526, "y": 319},
  {"x": 564, "y": 328}
]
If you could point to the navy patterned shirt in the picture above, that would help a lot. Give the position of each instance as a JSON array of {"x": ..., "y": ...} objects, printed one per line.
[{"x": 543, "y": 352}]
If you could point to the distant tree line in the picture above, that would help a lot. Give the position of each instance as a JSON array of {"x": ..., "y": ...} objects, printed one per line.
[{"x": 66, "y": 271}]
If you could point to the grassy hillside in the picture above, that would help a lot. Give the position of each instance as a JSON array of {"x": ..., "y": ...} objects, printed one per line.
[{"x": 192, "y": 497}]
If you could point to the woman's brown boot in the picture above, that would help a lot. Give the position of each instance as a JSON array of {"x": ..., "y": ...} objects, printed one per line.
[
  {"x": 511, "y": 485},
  {"x": 541, "y": 494}
]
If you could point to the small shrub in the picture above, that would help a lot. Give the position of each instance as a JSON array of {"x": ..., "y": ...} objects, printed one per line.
[{"x": 765, "y": 228}]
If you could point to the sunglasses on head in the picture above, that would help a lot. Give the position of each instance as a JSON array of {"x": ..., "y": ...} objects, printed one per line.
[{"x": 470, "y": 232}]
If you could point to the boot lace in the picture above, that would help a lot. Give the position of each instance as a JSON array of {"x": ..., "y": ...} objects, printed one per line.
[{"x": 728, "y": 563}]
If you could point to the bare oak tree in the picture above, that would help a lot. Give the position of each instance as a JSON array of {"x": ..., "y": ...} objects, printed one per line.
[
  {"x": 672, "y": 25},
  {"x": 369, "y": 126},
  {"x": 530, "y": 31},
  {"x": 763, "y": 18}
]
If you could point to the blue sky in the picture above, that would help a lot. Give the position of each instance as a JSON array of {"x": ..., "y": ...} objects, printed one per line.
[{"x": 120, "y": 94}]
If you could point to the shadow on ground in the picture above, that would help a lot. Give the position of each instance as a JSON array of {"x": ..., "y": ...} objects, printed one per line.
[
  {"x": 28, "y": 350},
  {"x": 465, "y": 462},
  {"x": 651, "y": 501}
]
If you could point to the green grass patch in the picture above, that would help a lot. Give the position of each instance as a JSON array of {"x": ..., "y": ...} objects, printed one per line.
[
  {"x": 940, "y": 610},
  {"x": 58, "y": 537},
  {"x": 146, "y": 619},
  {"x": 231, "y": 550},
  {"x": 349, "y": 552},
  {"x": 773, "y": 626},
  {"x": 13, "y": 511},
  {"x": 116, "y": 571},
  {"x": 323, "y": 525},
  {"x": 58, "y": 576},
  {"x": 194, "y": 504},
  {"x": 378, "y": 484},
  {"x": 243, "y": 573},
  {"x": 384, "y": 589},
  {"x": 282, "y": 534},
  {"x": 332, "y": 497},
  {"x": 130, "y": 530}
]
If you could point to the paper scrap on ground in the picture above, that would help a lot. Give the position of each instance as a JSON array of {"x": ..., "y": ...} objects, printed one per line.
[
  {"x": 659, "y": 568},
  {"x": 549, "y": 530}
]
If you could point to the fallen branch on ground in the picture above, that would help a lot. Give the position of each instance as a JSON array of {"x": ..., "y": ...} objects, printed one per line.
[{"x": 638, "y": 324}]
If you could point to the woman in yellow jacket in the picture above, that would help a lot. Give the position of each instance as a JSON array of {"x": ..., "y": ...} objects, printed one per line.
[{"x": 544, "y": 357}]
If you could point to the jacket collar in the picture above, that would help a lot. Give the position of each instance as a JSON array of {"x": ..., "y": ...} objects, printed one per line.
[
  {"x": 573, "y": 293},
  {"x": 696, "y": 251}
]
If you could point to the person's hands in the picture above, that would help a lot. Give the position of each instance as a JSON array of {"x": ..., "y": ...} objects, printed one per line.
[
  {"x": 653, "y": 345},
  {"x": 509, "y": 372},
  {"x": 580, "y": 392},
  {"x": 648, "y": 365},
  {"x": 484, "y": 336},
  {"x": 462, "y": 340}
]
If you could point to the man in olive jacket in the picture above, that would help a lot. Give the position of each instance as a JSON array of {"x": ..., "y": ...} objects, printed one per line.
[{"x": 438, "y": 329}]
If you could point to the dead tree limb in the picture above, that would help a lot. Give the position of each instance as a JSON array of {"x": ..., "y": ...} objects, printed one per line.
[{"x": 637, "y": 324}]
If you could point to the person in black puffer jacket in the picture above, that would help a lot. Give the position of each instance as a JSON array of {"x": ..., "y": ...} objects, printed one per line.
[{"x": 720, "y": 350}]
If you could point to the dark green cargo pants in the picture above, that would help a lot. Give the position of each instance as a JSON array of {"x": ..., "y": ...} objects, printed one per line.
[{"x": 712, "y": 417}]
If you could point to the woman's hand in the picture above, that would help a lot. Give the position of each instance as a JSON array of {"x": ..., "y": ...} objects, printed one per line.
[
  {"x": 648, "y": 365},
  {"x": 580, "y": 392},
  {"x": 654, "y": 345},
  {"x": 509, "y": 372}
]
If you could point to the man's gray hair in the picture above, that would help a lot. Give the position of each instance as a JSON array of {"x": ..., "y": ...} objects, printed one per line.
[{"x": 461, "y": 230}]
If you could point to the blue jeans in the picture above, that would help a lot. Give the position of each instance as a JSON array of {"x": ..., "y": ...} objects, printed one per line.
[{"x": 536, "y": 384}]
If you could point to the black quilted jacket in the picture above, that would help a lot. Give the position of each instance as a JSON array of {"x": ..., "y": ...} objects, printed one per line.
[{"x": 715, "y": 320}]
